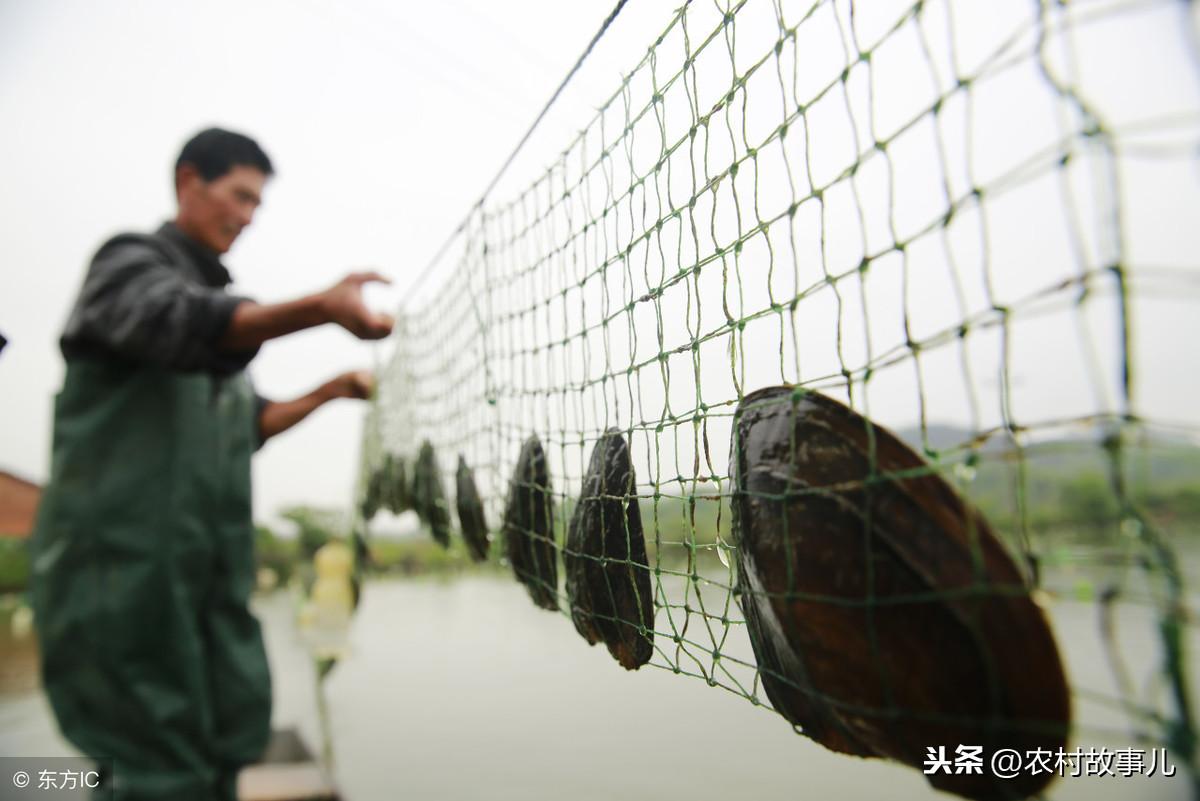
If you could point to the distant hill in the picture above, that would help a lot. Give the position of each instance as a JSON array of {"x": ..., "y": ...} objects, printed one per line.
[
  {"x": 1153, "y": 459},
  {"x": 1060, "y": 487}
]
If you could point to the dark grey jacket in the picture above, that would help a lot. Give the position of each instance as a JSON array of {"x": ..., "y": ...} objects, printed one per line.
[{"x": 156, "y": 299}]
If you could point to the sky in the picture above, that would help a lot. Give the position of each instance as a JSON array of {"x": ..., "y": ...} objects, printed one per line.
[
  {"x": 386, "y": 121},
  {"x": 572, "y": 328}
]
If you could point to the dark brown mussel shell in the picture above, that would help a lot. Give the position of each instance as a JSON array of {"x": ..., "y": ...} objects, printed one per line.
[
  {"x": 470, "y": 512},
  {"x": 608, "y": 578},
  {"x": 428, "y": 497},
  {"x": 372, "y": 498},
  {"x": 362, "y": 562},
  {"x": 886, "y": 617},
  {"x": 529, "y": 526},
  {"x": 397, "y": 492}
]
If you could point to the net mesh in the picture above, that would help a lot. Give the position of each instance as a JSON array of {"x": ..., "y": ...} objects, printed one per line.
[{"x": 969, "y": 225}]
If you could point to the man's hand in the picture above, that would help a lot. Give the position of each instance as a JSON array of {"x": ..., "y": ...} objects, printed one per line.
[
  {"x": 357, "y": 384},
  {"x": 252, "y": 324},
  {"x": 279, "y": 416},
  {"x": 343, "y": 304}
]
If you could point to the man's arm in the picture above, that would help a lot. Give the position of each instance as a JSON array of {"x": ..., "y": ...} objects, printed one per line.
[
  {"x": 252, "y": 323},
  {"x": 137, "y": 306},
  {"x": 279, "y": 416}
]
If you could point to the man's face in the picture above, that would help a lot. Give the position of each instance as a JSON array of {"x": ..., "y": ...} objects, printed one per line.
[{"x": 215, "y": 212}]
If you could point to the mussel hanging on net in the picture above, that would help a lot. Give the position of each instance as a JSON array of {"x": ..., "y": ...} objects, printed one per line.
[
  {"x": 362, "y": 563},
  {"x": 372, "y": 497},
  {"x": 397, "y": 495},
  {"x": 428, "y": 497},
  {"x": 529, "y": 526},
  {"x": 470, "y": 512},
  {"x": 608, "y": 578},
  {"x": 886, "y": 617}
]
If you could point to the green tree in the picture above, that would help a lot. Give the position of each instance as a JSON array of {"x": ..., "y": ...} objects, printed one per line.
[
  {"x": 1087, "y": 500},
  {"x": 315, "y": 526},
  {"x": 14, "y": 564},
  {"x": 275, "y": 552}
]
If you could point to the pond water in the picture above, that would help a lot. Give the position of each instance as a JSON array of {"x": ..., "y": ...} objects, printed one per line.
[{"x": 461, "y": 689}]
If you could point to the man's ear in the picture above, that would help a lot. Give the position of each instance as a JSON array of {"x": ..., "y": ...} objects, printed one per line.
[{"x": 186, "y": 177}]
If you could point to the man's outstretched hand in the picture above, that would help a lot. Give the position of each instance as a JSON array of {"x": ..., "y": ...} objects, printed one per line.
[
  {"x": 252, "y": 323},
  {"x": 357, "y": 384},
  {"x": 343, "y": 304},
  {"x": 279, "y": 416}
]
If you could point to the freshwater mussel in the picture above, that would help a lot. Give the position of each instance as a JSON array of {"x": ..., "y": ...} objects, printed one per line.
[
  {"x": 608, "y": 579},
  {"x": 470, "y": 512},
  {"x": 886, "y": 617},
  {"x": 362, "y": 563},
  {"x": 428, "y": 497},
  {"x": 396, "y": 492},
  {"x": 373, "y": 494},
  {"x": 386, "y": 487},
  {"x": 529, "y": 526}
]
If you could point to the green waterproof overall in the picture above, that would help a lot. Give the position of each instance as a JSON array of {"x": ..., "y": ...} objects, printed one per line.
[{"x": 142, "y": 570}]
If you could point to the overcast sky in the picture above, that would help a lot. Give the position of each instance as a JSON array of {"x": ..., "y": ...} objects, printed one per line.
[
  {"x": 1013, "y": 301},
  {"x": 386, "y": 121}
]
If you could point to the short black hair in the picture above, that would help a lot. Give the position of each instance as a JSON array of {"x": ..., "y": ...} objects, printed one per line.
[{"x": 215, "y": 151}]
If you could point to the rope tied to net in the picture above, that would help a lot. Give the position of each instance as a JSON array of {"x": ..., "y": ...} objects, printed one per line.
[
  {"x": 651, "y": 277},
  {"x": 608, "y": 21}
]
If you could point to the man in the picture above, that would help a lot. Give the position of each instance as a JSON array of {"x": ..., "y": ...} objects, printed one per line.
[{"x": 143, "y": 549}]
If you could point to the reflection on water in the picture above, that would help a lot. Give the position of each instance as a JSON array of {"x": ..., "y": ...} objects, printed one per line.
[{"x": 461, "y": 689}]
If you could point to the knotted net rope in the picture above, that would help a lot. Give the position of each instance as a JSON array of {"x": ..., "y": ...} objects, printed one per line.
[{"x": 968, "y": 224}]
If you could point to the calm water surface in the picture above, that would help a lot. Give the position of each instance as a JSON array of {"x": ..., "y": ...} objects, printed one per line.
[{"x": 461, "y": 689}]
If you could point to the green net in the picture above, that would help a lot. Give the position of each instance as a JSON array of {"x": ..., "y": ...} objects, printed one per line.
[{"x": 974, "y": 226}]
